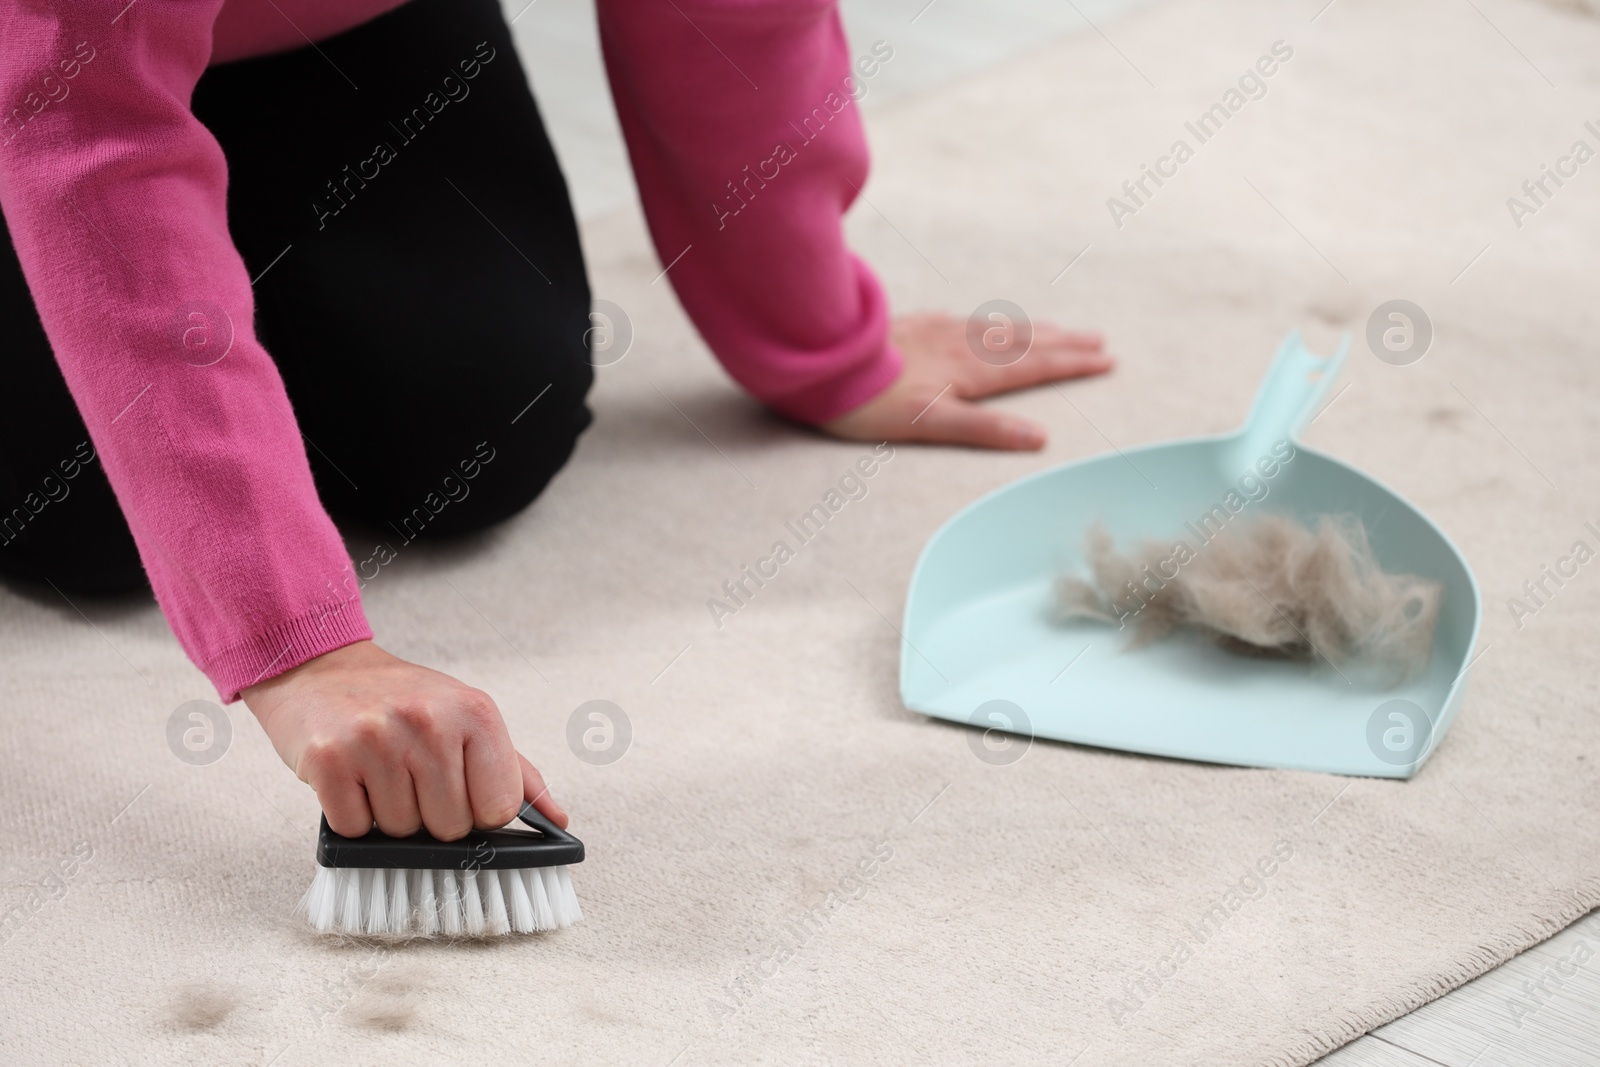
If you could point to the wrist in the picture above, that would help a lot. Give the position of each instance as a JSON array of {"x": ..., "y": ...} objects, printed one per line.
[{"x": 261, "y": 697}]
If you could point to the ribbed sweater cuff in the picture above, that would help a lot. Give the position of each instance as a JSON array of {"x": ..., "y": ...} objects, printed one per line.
[{"x": 285, "y": 646}]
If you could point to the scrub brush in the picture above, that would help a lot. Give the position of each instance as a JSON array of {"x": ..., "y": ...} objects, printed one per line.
[{"x": 488, "y": 883}]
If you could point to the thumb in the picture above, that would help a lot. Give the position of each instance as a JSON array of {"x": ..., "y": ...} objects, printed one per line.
[{"x": 538, "y": 794}]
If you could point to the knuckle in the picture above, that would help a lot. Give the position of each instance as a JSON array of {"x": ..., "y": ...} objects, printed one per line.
[
  {"x": 399, "y": 827},
  {"x": 480, "y": 706},
  {"x": 320, "y": 759},
  {"x": 346, "y": 825},
  {"x": 367, "y": 730},
  {"x": 497, "y": 813},
  {"x": 421, "y": 720},
  {"x": 449, "y": 829}
]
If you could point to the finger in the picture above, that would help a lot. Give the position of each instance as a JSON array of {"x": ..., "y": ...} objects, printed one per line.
[
  {"x": 322, "y": 766},
  {"x": 538, "y": 794},
  {"x": 441, "y": 785},
  {"x": 494, "y": 780},
  {"x": 1045, "y": 333},
  {"x": 392, "y": 796},
  {"x": 1042, "y": 364},
  {"x": 956, "y": 422},
  {"x": 344, "y": 802}
]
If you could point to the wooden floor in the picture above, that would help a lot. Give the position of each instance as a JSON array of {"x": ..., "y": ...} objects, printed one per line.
[
  {"x": 1505, "y": 1018},
  {"x": 1542, "y": 1009}
]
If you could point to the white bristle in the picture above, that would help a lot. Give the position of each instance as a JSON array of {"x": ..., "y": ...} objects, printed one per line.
[
  {"x": 350, "y": 900},
  {"x": 424, "y": 909},
  {"x": 471, "y": 905},
  {"x": 569, "y": 896},
  {"x": 558, "y": 900},
  {"x": 427, "y": 905},
  {"x": 516, "y": 894},
  {"x": 377, "y": 896},
  {"x": 322, "y": 899},
  {"x": 399, "y": 902},
  {"x": 495, "y": 919},
  {"x": 450, "y": 903},
  {"x": 382, "y": 902},
  {"x": 543, "y": 917}
]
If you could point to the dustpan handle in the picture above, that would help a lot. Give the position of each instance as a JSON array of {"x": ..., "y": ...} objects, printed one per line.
[{"x": 1293, "y": 391}]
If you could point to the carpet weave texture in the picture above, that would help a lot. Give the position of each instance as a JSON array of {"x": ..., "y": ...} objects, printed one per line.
[{"x": 784, "y": 865}]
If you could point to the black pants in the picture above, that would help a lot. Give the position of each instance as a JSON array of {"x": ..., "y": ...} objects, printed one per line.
[{"x": 419, "y": 284}]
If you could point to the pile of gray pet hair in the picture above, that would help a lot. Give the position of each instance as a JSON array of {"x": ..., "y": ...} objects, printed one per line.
[{"x": 1266, "y": 585}]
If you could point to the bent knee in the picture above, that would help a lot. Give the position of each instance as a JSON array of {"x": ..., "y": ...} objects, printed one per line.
[{"x": 461, "y": 485}]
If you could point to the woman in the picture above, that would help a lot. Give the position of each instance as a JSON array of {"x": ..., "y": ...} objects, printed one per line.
[{"x": 397, "y": 235}]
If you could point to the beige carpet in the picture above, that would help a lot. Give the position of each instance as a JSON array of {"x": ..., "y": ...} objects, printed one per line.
[{"x": 786, "y": 866}]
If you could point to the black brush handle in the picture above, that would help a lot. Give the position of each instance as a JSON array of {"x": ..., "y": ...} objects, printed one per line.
[
  {"x": 480, "y": 850},
  {"x": 536, "y": 819}
]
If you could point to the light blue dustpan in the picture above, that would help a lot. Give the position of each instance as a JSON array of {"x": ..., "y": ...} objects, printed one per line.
[{"x": 981, "y": 645}]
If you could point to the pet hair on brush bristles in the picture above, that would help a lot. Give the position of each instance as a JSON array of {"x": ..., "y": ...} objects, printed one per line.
[
  {"x": 1266, "y": 585},
  {"x": 488, "y": 883}
]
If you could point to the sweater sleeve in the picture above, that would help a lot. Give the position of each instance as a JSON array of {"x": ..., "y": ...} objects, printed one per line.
[
  {"x": 115, "y": 197},
  {"x": 747, "y": 145}
]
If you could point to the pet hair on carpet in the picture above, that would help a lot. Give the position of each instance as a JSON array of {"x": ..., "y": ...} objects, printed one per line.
[
  {"x": 200, "y": 1005},
  {"x": 1264, "y": 585},
  {"x": 389, "y": 1000}
]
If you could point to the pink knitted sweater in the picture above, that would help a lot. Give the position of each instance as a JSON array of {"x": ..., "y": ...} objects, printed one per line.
[{"x": 115, "y": 197}]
